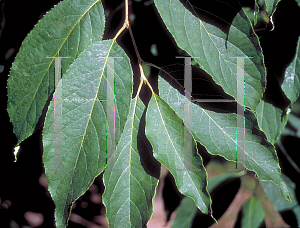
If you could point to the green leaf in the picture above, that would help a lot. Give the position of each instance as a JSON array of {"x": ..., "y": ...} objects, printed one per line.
[
  {"x": 215, "y": 48},
  {"x": 185, "y": 213},
  {"x": 217, "y": 132},
  {"x": 253, "y": 213},
  {"x": 166, "y": 133},
  {"x": 66, "y": 30},
  {"x": 83, "y": 126},
  {"x": 291, "y": 81},
  {"x": 128, "y": 193},
  {"x": 272, "y": 120},
  {"x": 217, "y": 180},
  {"x": 296, "y": 211},
  {"x": 271, "y": 6},
  {"x": 274, "y": 195}
]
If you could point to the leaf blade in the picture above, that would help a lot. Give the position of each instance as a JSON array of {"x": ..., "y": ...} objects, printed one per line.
[
  {"x": 31, "y": 79},
  {"x": 165, "y": 131},
  {"x": 217, "y": 133},
  {"x": 253, "y": 213},
  {"x": 291, "y": 81},
  {"x": 128, "y": 194},
  {"x": 271, "y": 119},
  {"x": 83, "y": 129},
  {"x": 215, "y": 47}
]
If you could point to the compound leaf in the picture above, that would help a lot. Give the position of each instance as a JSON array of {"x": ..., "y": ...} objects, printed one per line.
[
  {"x": 215, "y": 48},
  {"x": 128, "y": 188},
  {"x": 72, "y": 166},
  {"x": 66, "y": 30}
]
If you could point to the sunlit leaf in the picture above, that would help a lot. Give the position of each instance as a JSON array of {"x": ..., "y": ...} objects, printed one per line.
[
  {"x": 66, "y": 30},
  {"x": 215, "y": 48},
  {"x": 83, "y": 124}
]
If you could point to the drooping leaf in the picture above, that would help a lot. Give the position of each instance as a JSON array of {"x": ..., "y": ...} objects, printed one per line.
[
  {"x": 83, "y": 124},
  {"x": 185, "y": 213},
  {"x": 272, "y": 120},
  {"x": 128, "y": 188},
  {"x": 215, "y": 48},
  {"x": 217, "y": 132},
  {"x": 253, "y": 213},
  {"x": 166, "y": 133},
  {"x": 291, "y": 81},
  {"x": 187, "y": 208},
  {"x": 66, "y": 30}
]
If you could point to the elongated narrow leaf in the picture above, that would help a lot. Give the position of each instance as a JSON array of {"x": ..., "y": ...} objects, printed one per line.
[
  {"x": 272, "y": 120},
  {"x": 72, "y": 166},
  {"x": 128, "y": 188},
  {"x": 215, "y": 48},
  {"x": 271, "y": 6},
  {"x": 166, "y": 133},
  {"x": 291, "y": 81},
  {"x": 185, "y": 213},
  {"x": 66, "y": 30},
  {"x": 253, "y": 213},
  {"x": 217, "y": 132}
]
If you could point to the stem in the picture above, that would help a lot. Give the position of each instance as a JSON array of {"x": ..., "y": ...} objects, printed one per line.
[
  {"x": 143, "y": 77},
  {"x": 120, "y": 30},
  {"x": 127, "y": 25}
]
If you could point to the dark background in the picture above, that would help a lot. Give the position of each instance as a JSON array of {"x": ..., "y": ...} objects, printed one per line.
[{"x": 21, "y": 183}]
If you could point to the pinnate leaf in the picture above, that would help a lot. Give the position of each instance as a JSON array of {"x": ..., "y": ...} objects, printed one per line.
[
  {"x": 83, "y": 126},
  {"x": 66, "y": 30},
  {"x": 166, "y": 132},
  {"x": 128, "y": 188},
  {"x": 214, "y": 48},
  {"x": 217, "y": 132}
]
